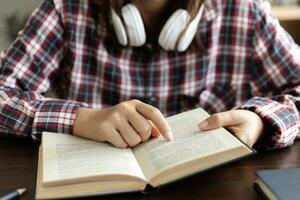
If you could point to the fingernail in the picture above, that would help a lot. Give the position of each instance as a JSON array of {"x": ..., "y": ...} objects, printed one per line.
[
  {"x": 203, "y": 125},
  {"x": 169, "y": 135}
]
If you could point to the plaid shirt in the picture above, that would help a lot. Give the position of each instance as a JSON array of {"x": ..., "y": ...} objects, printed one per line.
[{"x": 250, "y": 63}]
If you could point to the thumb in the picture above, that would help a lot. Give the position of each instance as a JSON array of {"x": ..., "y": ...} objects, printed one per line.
[{"x": 219, "y": 120}]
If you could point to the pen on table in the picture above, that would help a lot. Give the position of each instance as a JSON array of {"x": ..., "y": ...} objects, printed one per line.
[{"x": 13, "y": 195}]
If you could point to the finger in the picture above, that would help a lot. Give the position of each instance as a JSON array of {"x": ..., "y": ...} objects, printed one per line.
[
  {"x": 156, "y": 117},
  {"x": 228, "y": 118},
  {"x": 141, "y": 125},
  {"x": 131, "y": 137},
  {"x": 115, "y": 139}
]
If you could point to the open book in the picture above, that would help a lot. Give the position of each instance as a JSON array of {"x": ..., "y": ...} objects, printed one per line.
[{"x": 70, "y": 166}]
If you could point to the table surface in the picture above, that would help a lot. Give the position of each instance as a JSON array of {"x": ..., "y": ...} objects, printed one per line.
[{"x": 18, "y": 165}]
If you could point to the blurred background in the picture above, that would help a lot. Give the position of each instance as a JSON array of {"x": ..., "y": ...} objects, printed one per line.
[{"x": 14, "y": 14}]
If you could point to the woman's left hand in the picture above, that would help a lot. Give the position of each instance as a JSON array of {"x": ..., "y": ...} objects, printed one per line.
[{"x": 244, "y": 124}]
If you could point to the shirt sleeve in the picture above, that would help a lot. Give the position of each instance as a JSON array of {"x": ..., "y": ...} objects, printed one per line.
[
  {"x": 25, "y": 69},
  {"x": 275, "y": 75}
]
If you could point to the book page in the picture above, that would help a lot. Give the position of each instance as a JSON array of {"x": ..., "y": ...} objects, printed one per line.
[
  {"x": 82, "y": 189},
  {"x": 67, "y": 157},
  {"x": 158, "y": 155}
]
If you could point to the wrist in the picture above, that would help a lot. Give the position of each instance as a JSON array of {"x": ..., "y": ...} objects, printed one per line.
[{"x": 81, "y": 121}]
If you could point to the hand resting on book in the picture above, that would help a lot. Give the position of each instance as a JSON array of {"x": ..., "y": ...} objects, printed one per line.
[
  {"x": 125, "y": 124},
  {"x": 244, "y": 124},
  {"x": 132, "y": 122}
]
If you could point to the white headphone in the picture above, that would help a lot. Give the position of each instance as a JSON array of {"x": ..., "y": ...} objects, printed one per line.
[{"x": 176, "y": 34}]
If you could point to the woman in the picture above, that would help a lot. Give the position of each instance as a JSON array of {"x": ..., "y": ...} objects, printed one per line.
[{"x": 118, "y": 66}]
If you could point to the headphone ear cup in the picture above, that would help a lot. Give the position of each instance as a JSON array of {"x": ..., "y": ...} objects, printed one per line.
[
  {"x": 171, "y": 31},
  {"x": 134, "y": 25},
  {"x": 188, "y": 36},
  {"x": 119, "y": 28}
]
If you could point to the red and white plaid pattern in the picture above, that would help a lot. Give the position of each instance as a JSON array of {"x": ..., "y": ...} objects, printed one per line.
[{"x": 250, "y": 62}]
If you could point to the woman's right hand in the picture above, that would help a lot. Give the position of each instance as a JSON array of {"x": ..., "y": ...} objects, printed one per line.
[{"x": 125, "y": 124}]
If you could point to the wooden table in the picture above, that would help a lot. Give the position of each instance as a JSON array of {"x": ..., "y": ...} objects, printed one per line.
[{"x": 18, "y": 164}]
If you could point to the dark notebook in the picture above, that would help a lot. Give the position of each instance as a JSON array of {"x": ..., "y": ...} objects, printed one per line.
[{"x": 281, "y": 184}]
